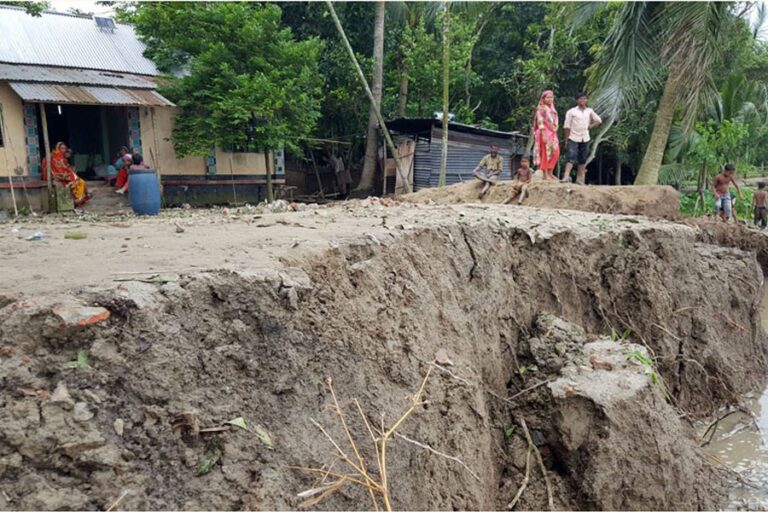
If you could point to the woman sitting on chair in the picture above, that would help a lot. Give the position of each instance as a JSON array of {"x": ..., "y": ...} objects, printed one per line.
[{"x": 62, "y": 172}]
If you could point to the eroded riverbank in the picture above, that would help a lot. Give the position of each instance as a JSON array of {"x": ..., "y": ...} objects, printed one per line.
[{"x": 374, "y": 298}]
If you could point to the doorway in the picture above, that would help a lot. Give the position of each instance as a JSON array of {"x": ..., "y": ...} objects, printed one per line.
[{"x": 94, "y": 133}]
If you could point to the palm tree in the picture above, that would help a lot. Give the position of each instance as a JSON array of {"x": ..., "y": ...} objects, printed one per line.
[
  {"x": 372, "y": 142},
  {"x": 669, "y": 44}
]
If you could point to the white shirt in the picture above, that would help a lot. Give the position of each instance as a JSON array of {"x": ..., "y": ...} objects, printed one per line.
[{"x": 578, "y": 120}]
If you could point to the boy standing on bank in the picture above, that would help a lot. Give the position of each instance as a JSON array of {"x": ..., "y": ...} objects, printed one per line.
[
  {"x": 721, "y": 188},
  {"x": 578, "y": 121},
  {"x": 760, "y": 199}
]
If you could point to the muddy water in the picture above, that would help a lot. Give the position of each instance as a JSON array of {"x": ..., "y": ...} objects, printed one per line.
[{"x": 745, "y": 449}]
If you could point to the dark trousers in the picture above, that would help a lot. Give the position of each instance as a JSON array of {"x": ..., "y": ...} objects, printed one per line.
[{"x": 761, "y": 217}]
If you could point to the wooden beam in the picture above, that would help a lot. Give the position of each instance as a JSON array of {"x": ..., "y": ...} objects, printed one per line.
[{"x": 52, "y": 203}]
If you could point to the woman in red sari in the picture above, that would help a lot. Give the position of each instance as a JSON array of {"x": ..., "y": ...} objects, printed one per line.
[
  {"x": 63, "y": 173},
  {"x": 546, "y": 149}
]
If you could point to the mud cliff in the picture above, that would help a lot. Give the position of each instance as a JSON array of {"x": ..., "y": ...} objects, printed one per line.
[{"x": 95, "y": 408}]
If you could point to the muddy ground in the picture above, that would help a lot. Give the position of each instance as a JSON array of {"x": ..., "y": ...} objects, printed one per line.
[
  {"x": 655, "y": 202},
  {"x": 247, "y": 314}
]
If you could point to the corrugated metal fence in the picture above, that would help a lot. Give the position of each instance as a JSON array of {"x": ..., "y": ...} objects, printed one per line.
[{"x": 462, "y": 159}]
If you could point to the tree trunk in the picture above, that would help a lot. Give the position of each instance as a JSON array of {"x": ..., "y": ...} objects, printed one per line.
[
  {"x": 367, "y": 88},
  {"x": 372, "y": 142},
  {"x": 403, "y": 91},
  {"x": 618, "y": 172},
  {"x": 654, "y": 154},
  {"x": 446, "y": 68}
]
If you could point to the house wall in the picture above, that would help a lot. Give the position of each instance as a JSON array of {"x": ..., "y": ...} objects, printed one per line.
[
  {"x": 162, "y": 119},
  {"x": 13, "y": 153},
  {"x": 242, "y": 163},
  {"x": 156, "y": 130}
]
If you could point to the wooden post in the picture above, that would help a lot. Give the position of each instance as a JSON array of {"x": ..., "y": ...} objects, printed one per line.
[
  {"x": 446, "y": 66},
  {"x": 52, "y": 203},
  {"x": 618, "y": 172},
  {"x": 156, "y": 161},
  {"x": 317, "y": 174},
  {"x": 270, "y": 193}
]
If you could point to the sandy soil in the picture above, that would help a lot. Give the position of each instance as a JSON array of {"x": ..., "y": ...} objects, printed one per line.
[
  {"x": 654, "y": 202},
  {"x": 233, "y": 239}
]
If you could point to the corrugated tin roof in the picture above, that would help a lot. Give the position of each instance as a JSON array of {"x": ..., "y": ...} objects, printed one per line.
[
  {"x": 88, "y": 95},
  {"x": 423, "y": 124},
  {"x": 47, "y": 74},
  {"x": 55, "y": 39}
]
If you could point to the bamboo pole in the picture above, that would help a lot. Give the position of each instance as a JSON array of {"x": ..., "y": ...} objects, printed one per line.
[
  {"x": 157, "y": 148},
  {"x": 368, "y": 92},
  {"x": 270, "y": 193},
  {"x": 52, "y": 202},
  {"x": 446, "y": 68},
  {"x": 317, "y": 174}
]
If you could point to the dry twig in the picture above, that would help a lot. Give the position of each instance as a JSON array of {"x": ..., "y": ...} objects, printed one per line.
[
  {"x": 530, "y": 388},
  {"x": 525, "y": 479},
  {"x": 117, "y": 501},
  {"x": 713, "y": 426},
  {"x": 449, "y": 372},
  {"x": 378, "y": 489},
  {"x": 550, "y": 500},
  {"x": 441, "y": 454}
]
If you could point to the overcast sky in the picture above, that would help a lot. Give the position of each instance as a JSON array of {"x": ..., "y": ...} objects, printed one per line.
[
  {"x": 90, "y": 6},
  {"x": 83, "y": 5}
]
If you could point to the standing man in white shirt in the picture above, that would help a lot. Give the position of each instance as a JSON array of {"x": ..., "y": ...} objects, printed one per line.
[{"x": 578, "y": 121}]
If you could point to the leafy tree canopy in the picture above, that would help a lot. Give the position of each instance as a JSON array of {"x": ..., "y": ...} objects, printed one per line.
[{"x": 240, "y": 77}]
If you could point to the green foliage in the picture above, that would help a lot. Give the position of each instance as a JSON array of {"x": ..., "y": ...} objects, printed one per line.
[
  {"x": 617, "y": 337},
  {"x": 508, "y": 430},
  {"x": 646, "y": 361},
  {"x": 246, "y": 82},
  {"x": 743, "y": 210},
  {"x": 33, "y": 8},
  {"x": 81, "y": 361}
]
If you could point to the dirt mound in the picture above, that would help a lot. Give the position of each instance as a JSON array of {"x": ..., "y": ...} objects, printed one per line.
[
  {"x": 744, "y": 237},
  {"x": 125, "y": 391},
  {"x": 654, "y": 202}
]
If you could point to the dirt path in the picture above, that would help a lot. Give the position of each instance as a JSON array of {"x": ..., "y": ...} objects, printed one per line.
[
  {"x": 225, "y": 239},
  {"x": 655, "y": 202}
]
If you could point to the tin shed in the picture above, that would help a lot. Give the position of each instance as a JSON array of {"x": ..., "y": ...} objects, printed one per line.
[{"x": 466, "y": 146}]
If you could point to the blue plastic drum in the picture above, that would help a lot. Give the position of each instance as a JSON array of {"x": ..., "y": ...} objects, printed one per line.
[{"x": 144, "y": 191}]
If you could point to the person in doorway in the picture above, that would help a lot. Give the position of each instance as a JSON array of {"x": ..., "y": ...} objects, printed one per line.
[
  {"x": 578, "y": 121},
  {"x": 120, "y": 154},
  {"x": 546, "y": 147},
  {"x": 343, "y": 177},
  {"x": 118, "y": 162},
  {"x": 760, "y": 199},
  {"x": 521, "y": 182},
  {"x": 63, "y": 173},
  {"x": 721, "y": 188},
  {"x": 136, "y": 165},
  {"x": 489, "y": 170},
  {"x": 125, "y": 162}
]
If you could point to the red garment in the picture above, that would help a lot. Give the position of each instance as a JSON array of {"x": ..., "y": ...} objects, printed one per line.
[
  {"x": 60, "y": 168},
  {"x": 546, "y": 148},
  {"x": 122, "y": 177}
]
